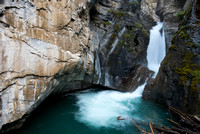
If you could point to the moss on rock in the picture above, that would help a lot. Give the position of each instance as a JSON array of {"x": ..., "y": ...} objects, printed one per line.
[{"x": 140, "y": 26}]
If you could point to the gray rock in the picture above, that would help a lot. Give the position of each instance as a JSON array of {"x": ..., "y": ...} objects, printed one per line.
[
  {"x": 123, "y": 39},
  {"x": 178, "y": 83}
]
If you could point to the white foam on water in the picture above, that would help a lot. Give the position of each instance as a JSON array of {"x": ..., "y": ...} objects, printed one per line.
[{"x": 101, "y": 109}]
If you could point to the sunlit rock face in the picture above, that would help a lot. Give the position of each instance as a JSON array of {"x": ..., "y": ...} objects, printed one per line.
[
  {"x": 55, "y": 46},
  {"x": 43, "y": 46}
]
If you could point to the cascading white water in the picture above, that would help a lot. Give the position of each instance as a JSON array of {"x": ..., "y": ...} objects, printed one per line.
[
  {"x": 98, "y": 67},
  {"x": 101, "y": 109},
  {"x": 156, "y": 48}
]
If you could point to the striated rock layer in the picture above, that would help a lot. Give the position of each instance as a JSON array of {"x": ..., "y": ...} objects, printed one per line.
[
  {"x": 54, "y": 46},
  {"x": 43, "y": 49},
  {"x": 178, "y": 81}
]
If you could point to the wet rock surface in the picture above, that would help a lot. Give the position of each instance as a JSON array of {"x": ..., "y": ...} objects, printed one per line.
[
  {"x": 44, "y": 49},
  {"x": 122, "y": 37},
  {"x": 51, "y": 47},
  {"x": 168, "y": 11},
  {"x": 178, "y": 83}
]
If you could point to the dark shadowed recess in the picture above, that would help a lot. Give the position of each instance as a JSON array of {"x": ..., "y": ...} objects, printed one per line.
[
  {"x": 180, "y": 3},
  {"x": 198, "y": 9},
  {"x": 27, "y": 119},
  {"x": 1, "y": 1}
]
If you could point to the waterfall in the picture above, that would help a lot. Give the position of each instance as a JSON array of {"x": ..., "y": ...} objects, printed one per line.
[
  {"x": 98, "y": 67},
  {"x": 107, "y": 78},
  {"x": 101, "y": 109},
  {"x": 156, "y": 48}
]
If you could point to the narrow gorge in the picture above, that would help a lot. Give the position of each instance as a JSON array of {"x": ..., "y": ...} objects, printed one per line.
[{"x": 95, "y": 61}]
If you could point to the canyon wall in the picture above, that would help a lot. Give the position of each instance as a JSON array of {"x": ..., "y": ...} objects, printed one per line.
[
  {"x": 178, "y": 81},
  {"x": 168, "y": 11},
  {"x": 55, "y": 46},
  {"x": 121, "y": 35},
  {"x": 44, "y": 49}
]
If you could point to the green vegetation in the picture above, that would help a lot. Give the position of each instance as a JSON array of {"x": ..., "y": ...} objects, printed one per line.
[
  {"x": 186, "y": 64},
  {"x": 184, "y": 15},
  {"x": 119, "y": 13},
  {"x": 180, "y": 14},
  {"x": 145, "y": 32},
  {"x": 119, "y": 62},
  {"x": 112, "y": 39},
  {"x": 105, "y": 23},
  {"x": 185, "y": 27},
  {"x": 189, "y": 71},
  {"x": 140, "y": 26},
  {"x": 196, "y": 74},
  {"x": 114, "y": 35},
  {"x": 191, "y": 45},
  {"x": 172, "y": 47},
  {"x": 183, "y": 35},
  {"x": 174, "y": 38},
  {"x": 134, "y": 3},
  {"x": 127, "y": 39},
  {"x": 110, "y": 11},
  {"x": 117, "y": 27},
  {"x": 127, "y": 35}
]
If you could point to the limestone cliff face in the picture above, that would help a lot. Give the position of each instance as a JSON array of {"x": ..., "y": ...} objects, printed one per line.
[
  {"x": 55, "y": 46},
  {"x": 43, "y": 49},
  {"x": 178, "y": 81}
]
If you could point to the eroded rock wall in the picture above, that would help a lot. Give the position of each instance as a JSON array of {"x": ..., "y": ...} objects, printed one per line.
[
  {"x": 43, "y": 49},
  {"x": 121, "y": 38},
  {"x": 55, "y": 46},
  {"x": 168, "y": 11},
  {"x": 178, "y": 81}
]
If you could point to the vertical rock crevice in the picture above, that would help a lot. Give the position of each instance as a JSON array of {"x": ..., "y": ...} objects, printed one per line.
[{"x": 198, "y": 9}]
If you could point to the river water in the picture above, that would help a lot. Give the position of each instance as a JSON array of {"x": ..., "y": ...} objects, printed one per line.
[{"x": 95, "y": 111}]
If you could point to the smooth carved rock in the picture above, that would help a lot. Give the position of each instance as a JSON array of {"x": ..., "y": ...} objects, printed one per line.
[{"x": 42, "y": 45}]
